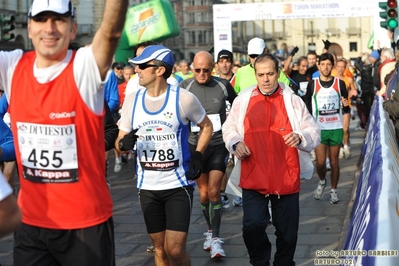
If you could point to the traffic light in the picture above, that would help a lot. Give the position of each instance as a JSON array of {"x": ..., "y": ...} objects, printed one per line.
[
  {"x": 390, "y": 14},
  {"x": 7, "y": 25}
]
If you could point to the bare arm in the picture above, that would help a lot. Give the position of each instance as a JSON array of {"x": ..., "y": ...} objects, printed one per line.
[
  {"x": 10, "y": 216},
  {"x": 287, "y": 65},
  {"x": 205, "y": 134},
  {"x": 107, "y": 36}
]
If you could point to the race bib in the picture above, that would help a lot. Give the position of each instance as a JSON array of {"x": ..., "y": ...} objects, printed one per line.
[
  {"x": 158, "y": 151},
  {"x": 303, "y": 86},
  {"x": 48, "y": 152},
  {"x": 328, "y": 105},
  {"x": 216, "y": 123}
]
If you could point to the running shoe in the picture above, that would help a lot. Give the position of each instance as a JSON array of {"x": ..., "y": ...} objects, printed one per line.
[
  {"x": 334, "y": 197},
  {"x": 150, "y": 249},
  {"x": 208, "y": 241},
  {"x": 328, "y": 165},
  {"x": 237, "y": 201},
  {"x": 225, "y": 201},
  {"x": 319, "y": 192},
  {"x": 216, "y": 248},
  {"x": 118, "y": 166}
]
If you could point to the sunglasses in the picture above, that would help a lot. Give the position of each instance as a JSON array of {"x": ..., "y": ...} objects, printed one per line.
[
  {"x": 198, "y": 70},
  {"x": 253, "y": 56},
  {"x": 145, "y": 66}
]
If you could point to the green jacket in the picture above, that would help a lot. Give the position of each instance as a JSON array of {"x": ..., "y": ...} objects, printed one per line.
[{"x": 245, "y": 77}]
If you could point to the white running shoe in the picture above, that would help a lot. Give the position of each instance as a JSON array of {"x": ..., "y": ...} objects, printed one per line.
[
  {"x": 216, "y": 248},
  {"x": 118, "y": 167},
  {"x": 208, "y": 241},
  {"x": 237, "y": 201},
  {"x": 225, "y": 201},
  {"x": 334, "y": 197},
  {"x": 319, "y": 192},
  {"x": 328, "y": 165}
]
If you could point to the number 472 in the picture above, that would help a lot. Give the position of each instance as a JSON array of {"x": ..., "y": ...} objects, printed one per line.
[{"x": 44, "y": 158}]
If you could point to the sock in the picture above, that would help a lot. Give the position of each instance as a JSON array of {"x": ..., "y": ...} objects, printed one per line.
[
  {"x": 205, "y": 211},
  {"x": 322, "y": 182},
  {"x": 346, "y": 146},
  {"x": 215, "y": 217},
  {"x": 333, "y": 190},
  {"x": 118, "y": 159}
]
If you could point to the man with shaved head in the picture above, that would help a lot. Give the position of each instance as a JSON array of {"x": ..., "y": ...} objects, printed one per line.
[{"x": 212, "y": 92}]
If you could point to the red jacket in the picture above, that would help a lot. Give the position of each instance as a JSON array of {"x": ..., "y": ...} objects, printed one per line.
[{"x": 273, "y": 167}]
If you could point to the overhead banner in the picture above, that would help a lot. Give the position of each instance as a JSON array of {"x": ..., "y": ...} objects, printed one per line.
[{"x": 223, "y": 15}]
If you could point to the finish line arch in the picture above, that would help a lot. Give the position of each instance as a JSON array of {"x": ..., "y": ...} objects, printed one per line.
[{"x": 225, "y": 14}]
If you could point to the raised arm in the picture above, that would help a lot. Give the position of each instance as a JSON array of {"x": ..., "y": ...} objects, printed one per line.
[{"x": 107, "y": 37}]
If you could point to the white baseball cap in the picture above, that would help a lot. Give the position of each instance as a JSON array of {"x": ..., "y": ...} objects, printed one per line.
[
  {"x": 63, "y": 7},
  {"x": 256, "y": 46}
]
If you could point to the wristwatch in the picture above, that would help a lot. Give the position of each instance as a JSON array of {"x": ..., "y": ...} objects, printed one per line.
[{"x": 235, "y": 146}]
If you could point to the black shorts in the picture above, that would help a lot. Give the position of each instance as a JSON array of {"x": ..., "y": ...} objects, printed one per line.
[
  {"x": 167, "y": 209},
  {"x": 213, "y": 158},
  {"x": 52, "y": 247}
]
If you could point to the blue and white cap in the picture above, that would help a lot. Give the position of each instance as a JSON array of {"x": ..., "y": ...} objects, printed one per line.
[{"x": 154, "y": 52}]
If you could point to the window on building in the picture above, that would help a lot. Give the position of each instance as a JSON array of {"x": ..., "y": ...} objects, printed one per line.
[
  {"x": 191, "y": 18},
  {"x": 192, "y": 37},
  {"x": 353, "y": 46},
  {"x": 200, "y": 37}
]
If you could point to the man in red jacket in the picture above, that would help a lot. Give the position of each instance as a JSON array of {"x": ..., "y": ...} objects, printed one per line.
[{"x": 270, "y": 132}]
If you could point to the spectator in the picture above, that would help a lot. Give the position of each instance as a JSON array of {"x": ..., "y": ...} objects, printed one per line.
[{"x": 387, "y": 66}]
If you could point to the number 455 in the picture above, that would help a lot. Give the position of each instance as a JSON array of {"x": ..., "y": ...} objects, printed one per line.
[{"x": 44, "y": 158}]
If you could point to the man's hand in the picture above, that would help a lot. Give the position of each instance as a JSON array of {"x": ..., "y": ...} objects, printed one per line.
[
  {"x": 292, "y": 139},
  {"x": 242, "y": 151},
  {"x": 345, "y": 102},
  {"x": 195, "y": 168},
  {"x": 128, "y": 141},
  {"x": 326, "y": 44}
]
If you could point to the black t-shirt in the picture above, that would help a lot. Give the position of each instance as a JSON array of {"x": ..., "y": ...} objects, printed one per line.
[
  {"x": 300, "y": 80},
  {"x": 311, "y": 70},
  {"x": 297, "y": 77}
]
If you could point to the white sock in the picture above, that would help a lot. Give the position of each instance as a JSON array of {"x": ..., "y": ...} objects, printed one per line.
[
  {"x": 346, "y": 146},
  {"x": 333, "y": 190},
  {"x": 322, "y": 182}
]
